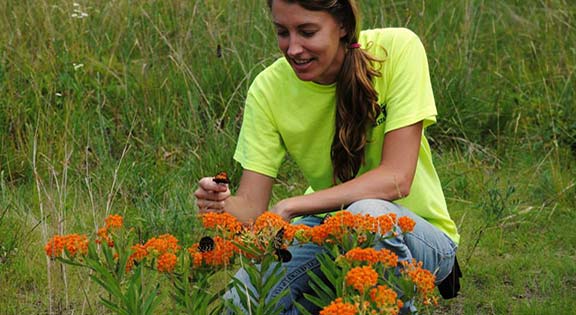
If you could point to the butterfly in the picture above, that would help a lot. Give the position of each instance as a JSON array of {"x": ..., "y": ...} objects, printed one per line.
[
  {"x": 283, "y": 254},
  {"x": 219, "y": 51},
  {"x": 206, "y": 244},
  {"x": 326, "y": 217},
  {"x": 221, "y": 178}
]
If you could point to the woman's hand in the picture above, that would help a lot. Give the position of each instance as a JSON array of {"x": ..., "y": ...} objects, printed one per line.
[
  {"x": 211, "y": 196},
  {"x": 282, "y": 208}
]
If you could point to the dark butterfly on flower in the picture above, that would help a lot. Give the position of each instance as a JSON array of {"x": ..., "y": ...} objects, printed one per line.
[
  {"x": 221, "y": 178},
  {"x": 206, "y": 244},
  {"x": 283, "y": 254},
  {"x": 326, "y": 217}
]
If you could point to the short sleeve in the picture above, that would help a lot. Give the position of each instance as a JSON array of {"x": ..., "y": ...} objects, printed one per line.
[
  {"x": 410, "y": 98},
  {"x": 259, "y": 147}
]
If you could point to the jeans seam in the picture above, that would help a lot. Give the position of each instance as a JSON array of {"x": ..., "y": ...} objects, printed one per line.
[
  {"x": 448, "y": 253},
  {"x": 290, "y": 278}
]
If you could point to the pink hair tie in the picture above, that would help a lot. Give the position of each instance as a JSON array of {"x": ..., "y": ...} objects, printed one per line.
[{"x": 354, "y": 45}]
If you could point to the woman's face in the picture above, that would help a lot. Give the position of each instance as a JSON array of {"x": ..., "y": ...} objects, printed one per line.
[{"x": 310, "y": 40}]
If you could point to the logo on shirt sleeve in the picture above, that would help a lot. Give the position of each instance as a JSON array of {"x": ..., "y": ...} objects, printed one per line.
[{"x": 382, "y": 117}]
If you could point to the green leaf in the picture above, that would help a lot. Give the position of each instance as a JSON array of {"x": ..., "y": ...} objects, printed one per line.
[
  {"x": 108, "y": 285},
  {"x": 69, "y": 262},
  {"x": 301, "y": 308},
  {"x": 322, "y": 290},
  {"x": 151, "y": 301},
  {"x": 113, "y": 307},
  {"x": 317, "y": 301}
]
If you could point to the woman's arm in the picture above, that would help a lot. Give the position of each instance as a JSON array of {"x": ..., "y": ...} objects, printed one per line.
[
  {"x": 251, "y": 198},
  {"x": 391, "y": 180}
]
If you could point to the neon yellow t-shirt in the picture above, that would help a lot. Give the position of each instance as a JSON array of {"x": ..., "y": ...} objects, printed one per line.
[{"x": 285, "y": 115}]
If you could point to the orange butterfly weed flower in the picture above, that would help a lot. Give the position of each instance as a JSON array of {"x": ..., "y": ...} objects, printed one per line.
[
  {"x": 339, "y": 307},
  {"x": 368, "y": 255},
  {"x": 55, "y": 246},
  {"x": 343, "y": 224},
  {"x": 299, "y": 231},
  {"x": 372, "y": 256},
  {"x": 361, "y": 278},
  {"x": 422, "y": 278},
  {"x": 388, "y": 258},
  {"x": 196, "y": 255},
  {"x": 165, "y": 243},
  {"x": 220, "y": 255},
  {"x": 223, "y": 221},
  {"x": 104, "y": 236},
  {"x": 386, "y": 223},
  {"x": 139, "y": 252},
  {"x": 74, "y": 244},
  {"x": 166, "y": 262},
  {"x": 114, "y": 221},
  {"x": 344, "y": 219},
  {"x": 406, "y": 224},
  {"x": 320, "y": 233},
  {"x": 129, "y": 265},
  {"x": 268, "y": 221},
  {"x": 385, "y": 299}
]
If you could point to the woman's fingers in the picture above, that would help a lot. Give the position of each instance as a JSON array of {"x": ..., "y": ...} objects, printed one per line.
[
  {"x": 205, "y": 206},
  {"x": 210, "y": 195},
  {"x": 208, "y": 183}
]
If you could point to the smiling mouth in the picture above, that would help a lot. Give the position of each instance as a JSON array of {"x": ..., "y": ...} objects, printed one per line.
[{"x": 301, "y": 62}]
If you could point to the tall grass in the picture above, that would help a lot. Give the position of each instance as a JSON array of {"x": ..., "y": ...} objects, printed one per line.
[{"x": 120, "y": 106}]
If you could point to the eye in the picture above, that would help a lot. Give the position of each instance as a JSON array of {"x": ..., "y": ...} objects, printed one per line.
[
  {"x": 281, "y": 32},
  {"x": 307, "y": 33}
]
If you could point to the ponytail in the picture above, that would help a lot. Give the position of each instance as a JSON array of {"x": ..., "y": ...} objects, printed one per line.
[{"x": 356, "y": 111}]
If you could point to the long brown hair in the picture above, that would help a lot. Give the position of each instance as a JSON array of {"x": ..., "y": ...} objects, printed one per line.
[{"x": 356, "y": 99}]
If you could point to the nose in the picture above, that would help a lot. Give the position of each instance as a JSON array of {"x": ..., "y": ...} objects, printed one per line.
[{"x": 294, "y": 46}]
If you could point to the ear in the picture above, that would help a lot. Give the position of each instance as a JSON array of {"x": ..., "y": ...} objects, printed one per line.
[{"x": 343, "y": 31}]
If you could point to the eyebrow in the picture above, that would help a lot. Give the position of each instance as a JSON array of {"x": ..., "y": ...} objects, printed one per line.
[{"x": 299, "y": 26}]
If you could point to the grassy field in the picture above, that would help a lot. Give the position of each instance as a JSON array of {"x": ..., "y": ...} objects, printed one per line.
[{"x": 120, "y": 106}]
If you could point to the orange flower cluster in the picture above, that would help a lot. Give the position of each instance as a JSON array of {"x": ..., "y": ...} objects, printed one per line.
[
  {"x": 222, "y": 221},
  {"x": 164, "y": 248},
  {"x": 139, "y": 252},
  {"x": 372, "y": 256},
  {"x": 162, "y": 244},
  {"x": 386, "y": 223},
  {"x": 73, "y": 244},
  {"x": 113, "y": 221},
  {"x": 344, "y": 223},
  {"x": 339, "y": 307},
  {"x": 268, "y": 221},
  {"x": 361, "y": 278},
  {"x": 299, "y": 231},
  {"x": 220, "y": 255},
  {"x": 104, "y": 236},
  {"x": 166, "y": 262},
  {"x": 386, "y": 300},
  {"x": 422, "y": 278},
  {"x": 406, "y": 224}
]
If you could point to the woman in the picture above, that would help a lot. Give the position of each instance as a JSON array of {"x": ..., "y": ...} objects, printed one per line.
[{"x": 351, "y": 109}]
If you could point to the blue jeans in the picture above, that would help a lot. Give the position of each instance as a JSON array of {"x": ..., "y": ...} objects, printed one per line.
[{"x": 426, "y": 243}]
